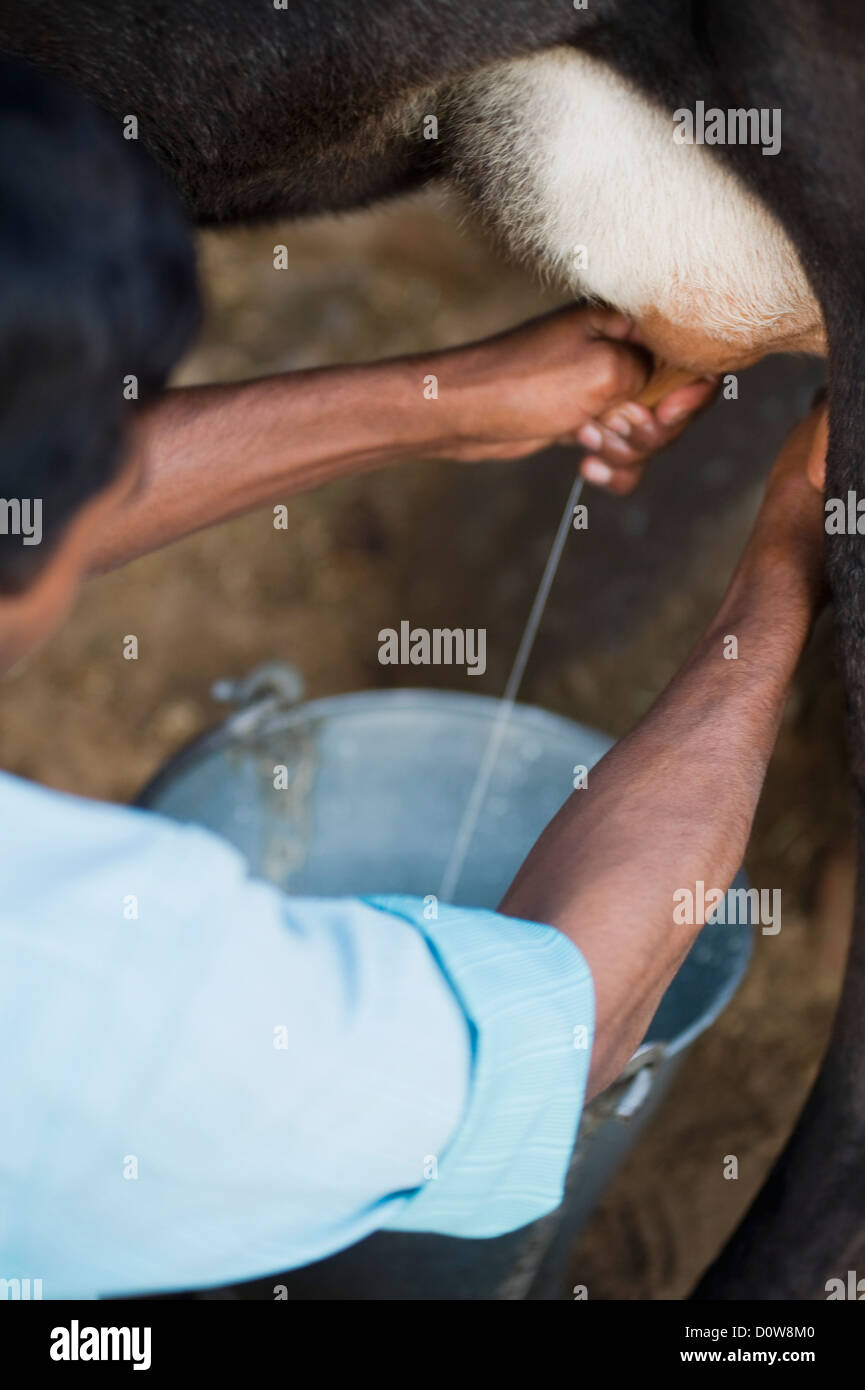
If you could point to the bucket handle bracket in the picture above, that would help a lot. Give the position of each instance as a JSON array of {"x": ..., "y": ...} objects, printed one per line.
[{"x": 267, "y": 690}]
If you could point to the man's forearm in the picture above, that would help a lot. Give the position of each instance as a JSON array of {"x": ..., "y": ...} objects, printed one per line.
[
  {"x": 671, "y": 804},
  {"x": 213, "y": 452}
]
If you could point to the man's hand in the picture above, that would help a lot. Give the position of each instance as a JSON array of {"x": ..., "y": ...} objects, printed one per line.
[
  {"x": 789, "y": 533},
  {"x": 792, "y": 504},
  {"x": 568, "y": 378},
  {"x": 624, "y": 436}
]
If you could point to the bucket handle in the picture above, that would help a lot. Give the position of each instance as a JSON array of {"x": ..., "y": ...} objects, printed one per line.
[{"x": 633, "y": 1086}]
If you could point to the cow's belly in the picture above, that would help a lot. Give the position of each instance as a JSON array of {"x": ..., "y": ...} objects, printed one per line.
[{"x": 578, "y": 173}]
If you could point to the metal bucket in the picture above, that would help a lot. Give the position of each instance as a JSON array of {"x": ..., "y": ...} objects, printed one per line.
[{"x": 376, "y": 786}]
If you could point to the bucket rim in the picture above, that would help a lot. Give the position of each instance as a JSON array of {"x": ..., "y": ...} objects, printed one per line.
[{"x": 402, "y": 697}]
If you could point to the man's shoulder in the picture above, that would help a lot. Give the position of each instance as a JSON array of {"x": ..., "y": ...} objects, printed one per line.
[{"x": 60, "y": 848}]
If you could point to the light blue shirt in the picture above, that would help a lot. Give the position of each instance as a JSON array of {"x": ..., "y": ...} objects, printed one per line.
[{"x": 204, "y": 1081}]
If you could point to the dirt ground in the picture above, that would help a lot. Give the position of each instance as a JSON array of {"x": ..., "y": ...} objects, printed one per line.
[{"x": 465, "y": 546}]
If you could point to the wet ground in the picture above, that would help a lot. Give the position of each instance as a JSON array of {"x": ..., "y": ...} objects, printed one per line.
[{"x": 451, "y": 546}]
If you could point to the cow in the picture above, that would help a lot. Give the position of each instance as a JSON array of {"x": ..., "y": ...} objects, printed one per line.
[{"x": 563, "y": 123}]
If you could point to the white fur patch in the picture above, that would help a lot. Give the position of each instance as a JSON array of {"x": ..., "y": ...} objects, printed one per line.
[{"x": 560, "y": 153}]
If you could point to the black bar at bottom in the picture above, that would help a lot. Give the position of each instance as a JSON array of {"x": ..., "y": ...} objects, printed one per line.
[{"x": 163, "y": 1338}]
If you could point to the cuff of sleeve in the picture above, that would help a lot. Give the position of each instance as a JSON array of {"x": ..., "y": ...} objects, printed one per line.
[{"x": 528, "y": 996}]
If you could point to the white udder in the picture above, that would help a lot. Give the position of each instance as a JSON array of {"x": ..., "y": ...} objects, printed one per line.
[{"x": 579, "y": 174}]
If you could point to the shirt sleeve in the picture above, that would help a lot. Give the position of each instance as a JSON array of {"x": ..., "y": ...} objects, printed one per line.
[{"x": 527, "y": 993}]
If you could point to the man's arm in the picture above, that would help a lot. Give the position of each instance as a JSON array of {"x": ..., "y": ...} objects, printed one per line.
[
  {"x": 673, "y": 802},
  {"x": 212, "y": 452}
]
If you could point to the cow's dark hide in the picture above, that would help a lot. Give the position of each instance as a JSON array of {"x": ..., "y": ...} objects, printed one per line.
[{"x": 255, "y": 111}]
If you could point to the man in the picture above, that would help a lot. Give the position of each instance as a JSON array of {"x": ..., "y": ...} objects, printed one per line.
[{"x": 152, "y": 1136}]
